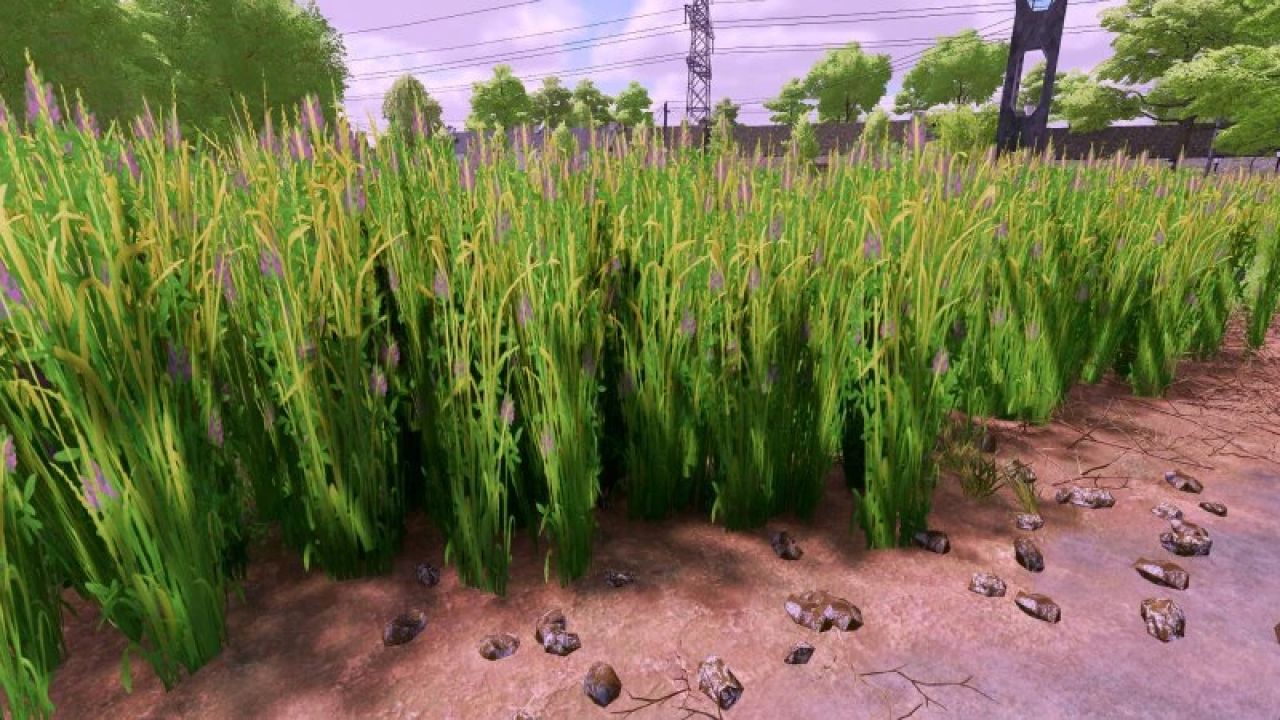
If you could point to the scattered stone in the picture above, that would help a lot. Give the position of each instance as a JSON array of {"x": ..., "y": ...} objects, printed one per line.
[
  {"x": 1164, "y": 618},
  {"x": 1167, "y": 574},
  {"x": 1181, "y": 481},
  {"x": 1019, "y": 471},
  {"x": 602, "y": 684},
  {"x": 1278, "y": 632},
  {"x": 1186, "y": 539},
  {"x": 496, "y": 647},
  {"x": 1028, "y": 554},
  {"x": 987, "y": 443},
  {"x": 525, "y": 715},
  {"x": 819, "y": 610},
  {"x": 404, "y": 628},
  {"x": 1167, "y": 511},
  {"x": 1038, "y": 606},
  {"x": 987, "y": 584},
  {"x": 785, "y": 547},
  {"x": 1216, "y": 508},
  {"x": 934, "y": 541},
  {"x": 428, "y": 575},
  {"x": 1093, "y": 498},
  {"x": 717, "y": 682},
  {"x": 800, "y": 654},
  {"x": 1030, "y": 521},
  {"x": 619, "y": 578},
  {"x": 552, "y": 634}
]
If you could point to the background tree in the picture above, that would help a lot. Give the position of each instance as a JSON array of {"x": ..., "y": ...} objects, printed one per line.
[
  {"x": 1063, "y": 84},
  {"x": 727, "y": 110},
  {"x": 847, "y": 82},
  {"x": 790, "y": 104},
  {"x": 499, "y": 103},
  {"x": 876, "y": 129},
  {"x": 551, "y": 104},
  {"x": 633, "y": 106},
  {"x": 591, "y": 105},
  {"x": 804, "y": 141},
  {"x": 961, "y": 69},
  {"x": 409, "y": 110},
  {"x": 1239, "y": 84}
]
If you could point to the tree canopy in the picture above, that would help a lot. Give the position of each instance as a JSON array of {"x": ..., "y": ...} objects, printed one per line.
[
  {"x": 790, "y": 104},
  {"x": 500, "y": 102},
  {"x": 727, "y": 110},
  {"x": 591, "y": 106},
  {"x": 1064, "y": 84},
  {"x": 1239, "y": 84},
  {"x": 633, "y": 106},
  {"x": 847, "y": 82},
  {"x": 960, "y": 69},
  {"x": 551, "y": 104},
  {"x": 409, "y": 109}
]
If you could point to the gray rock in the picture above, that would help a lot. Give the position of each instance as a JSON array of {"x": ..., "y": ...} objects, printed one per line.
[
  {"x": 1093, "y": 498},
  {"x": 1029, "y": 521},
  {"x": 1216, "y": 508},
  {"x": 819, "y": 610},
  {"x": 1164, "y": 619},
  {"x": 1167, "y": 574},
  {"x": 1028, "y": 554},
  {"x": 552, "y": 634},
  {"x": 496, "y": 647},
  {"x": 800, "y": 654},
  {"x": 428, "y": 575},
  {"x": 785, "y": 547},
  {"x": 934, "y": 541},
  {"x": 404, "y": 628},
  {"x": 1167, "y": 511},
  {"x": 1278, "y": 632},
  {"x": 717, "y": 682},
  {"x": 987, "y": 584},
  {"x": 602, "y": 684},
  {"x": 1019, "y": 471},
  {"x": 987, "y": 443},
  {"x": 1040, "y": 607},
  {"x": 1186, "y": 539},
  {"x": 1182, "y": 481},
  {"x": 619, "y": 578}
]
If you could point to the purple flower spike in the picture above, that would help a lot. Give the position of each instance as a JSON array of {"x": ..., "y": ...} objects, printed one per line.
[
  {"x": 299, "y": 146},
  {"x": 312, "y": 118},
  {"x": 459, "y": 369},
  {"x": 998, "y": 316},
  {"x": 10, "y": 455},
  {"x": 524, "y": 313},
  {"x": 1002, "y": 231},
  {"x": 1033, "y": 331},
  {"x": 508, "y": 411},
  {"x": 818, "y": 256},
  {"x": 179, "y": 363},
  {"x": 716, "y": 281},
  {"x": 33, "y": 97},
  {"x": 871, "y": 246},
  {"x": 393, "y": 278},
  {"x": 144, "y": 126},
  {"x": 97, "y": 487},
  {"x": 270, "y": 264},
  {"x": 173, "y": 134},
  {"x": 222, "y": 271},
  {"x": 391, "y": 356},
  {"x": 548, "y": 443},
  {"x": 12, "y": 293},
  {"x": 215, "y": 428},
  {"x": 378, "y": 383},
  {"x": 354, "y": 199},
  {"x": 887, "y": 328},
  {"x": 941, "y": 362},
  {"x": 615, "y": 265},
  {"x": 688, "y": 325},
  {"x": 1159, "y": 238},
  {"x": 1037, "y": 250},
  {"x": 440, "y": 285},
  {"x": 131, "y": 163},
  {"x": 4, "y": 114},
  {"x": 86, "y": 123}
]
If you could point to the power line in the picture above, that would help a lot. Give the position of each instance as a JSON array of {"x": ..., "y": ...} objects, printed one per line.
[{"x": 438, "y": 18}]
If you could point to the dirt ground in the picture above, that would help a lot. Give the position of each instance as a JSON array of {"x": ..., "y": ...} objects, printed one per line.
[{"x": 302, "y": 646}]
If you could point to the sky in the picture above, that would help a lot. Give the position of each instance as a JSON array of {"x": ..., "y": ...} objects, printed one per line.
[{"x": 447, "y": 55}]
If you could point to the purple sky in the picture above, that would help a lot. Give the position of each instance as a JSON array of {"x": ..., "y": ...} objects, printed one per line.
[{"x": 465, "y": 46}]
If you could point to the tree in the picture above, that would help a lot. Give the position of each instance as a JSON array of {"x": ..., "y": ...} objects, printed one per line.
[
  {"x": 409, "y": 110},
  {"x": 499, "y": 103},
  {"x": 591, "y": 105},
  {"x": 847, "y": 82},
  {"x": 633, "y": 106},
  {"x": 727, "y": 110},
  {"x": 804, "y": 141},
  {"x": 551, "y": 104},
  {"x": 1239, "y": 84},
  {"x": 790, "y": 104},
  {"x": 962, "y": 69},
  {"x": 1063, "y": 84},
  {"x": 876, "y": 129}
]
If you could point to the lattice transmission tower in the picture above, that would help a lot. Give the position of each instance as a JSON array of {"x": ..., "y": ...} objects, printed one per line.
[
  {"x": 1037, "y": 25},
  {"x": 697, "y": 15}
]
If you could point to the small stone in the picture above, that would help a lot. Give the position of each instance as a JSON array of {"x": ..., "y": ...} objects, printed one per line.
[
  {"x": 1030, "y": 521},
  {"x": 525, "y": 715},
  {"x": 819, "y": 610},
  {"x": 1216, "y": 508},
  {"x": 987, "y": 443},
  {"x": 1093, "y": 498},
  {"x": 987, "y": 584},
  {"x": 1181, "y": 481},
  {"x": 1019, "y": 471},
  {"x": 428, "y": 575},
  {"x": 552, "y": 634},
  {"x": 934, "y": 541},
  {"x": 717, "y": 682},
  {"x": 1278, "y": 632},
  {"x": 1038, "y": 606},
  {"x": 602, "y": 684},
  {"x": 1167, "y": 574},
  {"x": 800, "y": 654},
  {"x": 785, "y": 547},
  {"x": 496, "y": 647},
  {"x": 404, "y": 628},
  {"x": 619, "y": 578},
  {"x": 1028, "y": 554},
  {"x": 1164, "y": 619},
  {"x": 1186, "y": 539},
  {"x": 1167, "y": 511}
]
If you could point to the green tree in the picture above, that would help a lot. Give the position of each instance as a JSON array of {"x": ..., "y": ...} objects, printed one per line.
[
  {"x": 876, "y": 129},
  {"x": 727, "y": 110},
  {"x": 591, "y": 107},
  {"x": 1064, "y": 84},
  {"x": 961, "y": 69},
  {"x": 790, "y": 104},
  {"x": 1239, "y": 84},
  {"x": 633, "y": 106},
  {"x": 499, "y": 103},
  {"x": 804, "y": 141},
  {"x": 847, "y": 82},
  {"x": 551, "y": 104},
  {"x": 409, "y": 110}
]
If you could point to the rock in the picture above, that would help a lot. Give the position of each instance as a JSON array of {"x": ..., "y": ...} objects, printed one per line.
[
  {"x": 785, "y": 547},
  {"x": 1093, "y": 498},
  {"x": 1167, "y": 574},
  {"x": 428, "y": 575},
  {"x": 1181, "y": 481},
  {"x": 602, "y": 684},
  {"x": 552, "y": 634},
  {"x": 1216, "y": 508},
  {"x": 819, "y": 610},
  {"x": 1164, "y": 619},
  {"x": 1038, "y": 606},
  {"x": 1278, "y": 632},
  {"x": 717, "y": 682},
  {"x": 1186, "y": 539},
  {"x": 525, "y": 715},
  {"x": 619, "y": 578},
  {"x": 496, "y": 647},
  {"x": 800, "y": 654},
  {"x": 987, "y": 443},
  {"x": 934, "y": 541},
  {"x": 1028, "y": 554},
  {"x": 987, "y": 584},
  {"x": 404, "y": 628},
  {"x": 1019, "y": 471},
  {"x": 1029, "y": 521},
  {"x": 1167, "y": 511}
]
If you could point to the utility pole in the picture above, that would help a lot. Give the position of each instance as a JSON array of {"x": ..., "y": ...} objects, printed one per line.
[
  {"x": 697, "y": 15},
  {"x": 1037, "y": 25}
]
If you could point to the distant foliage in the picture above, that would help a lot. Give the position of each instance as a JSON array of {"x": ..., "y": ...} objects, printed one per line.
[{"x": 409, "y": 110}]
